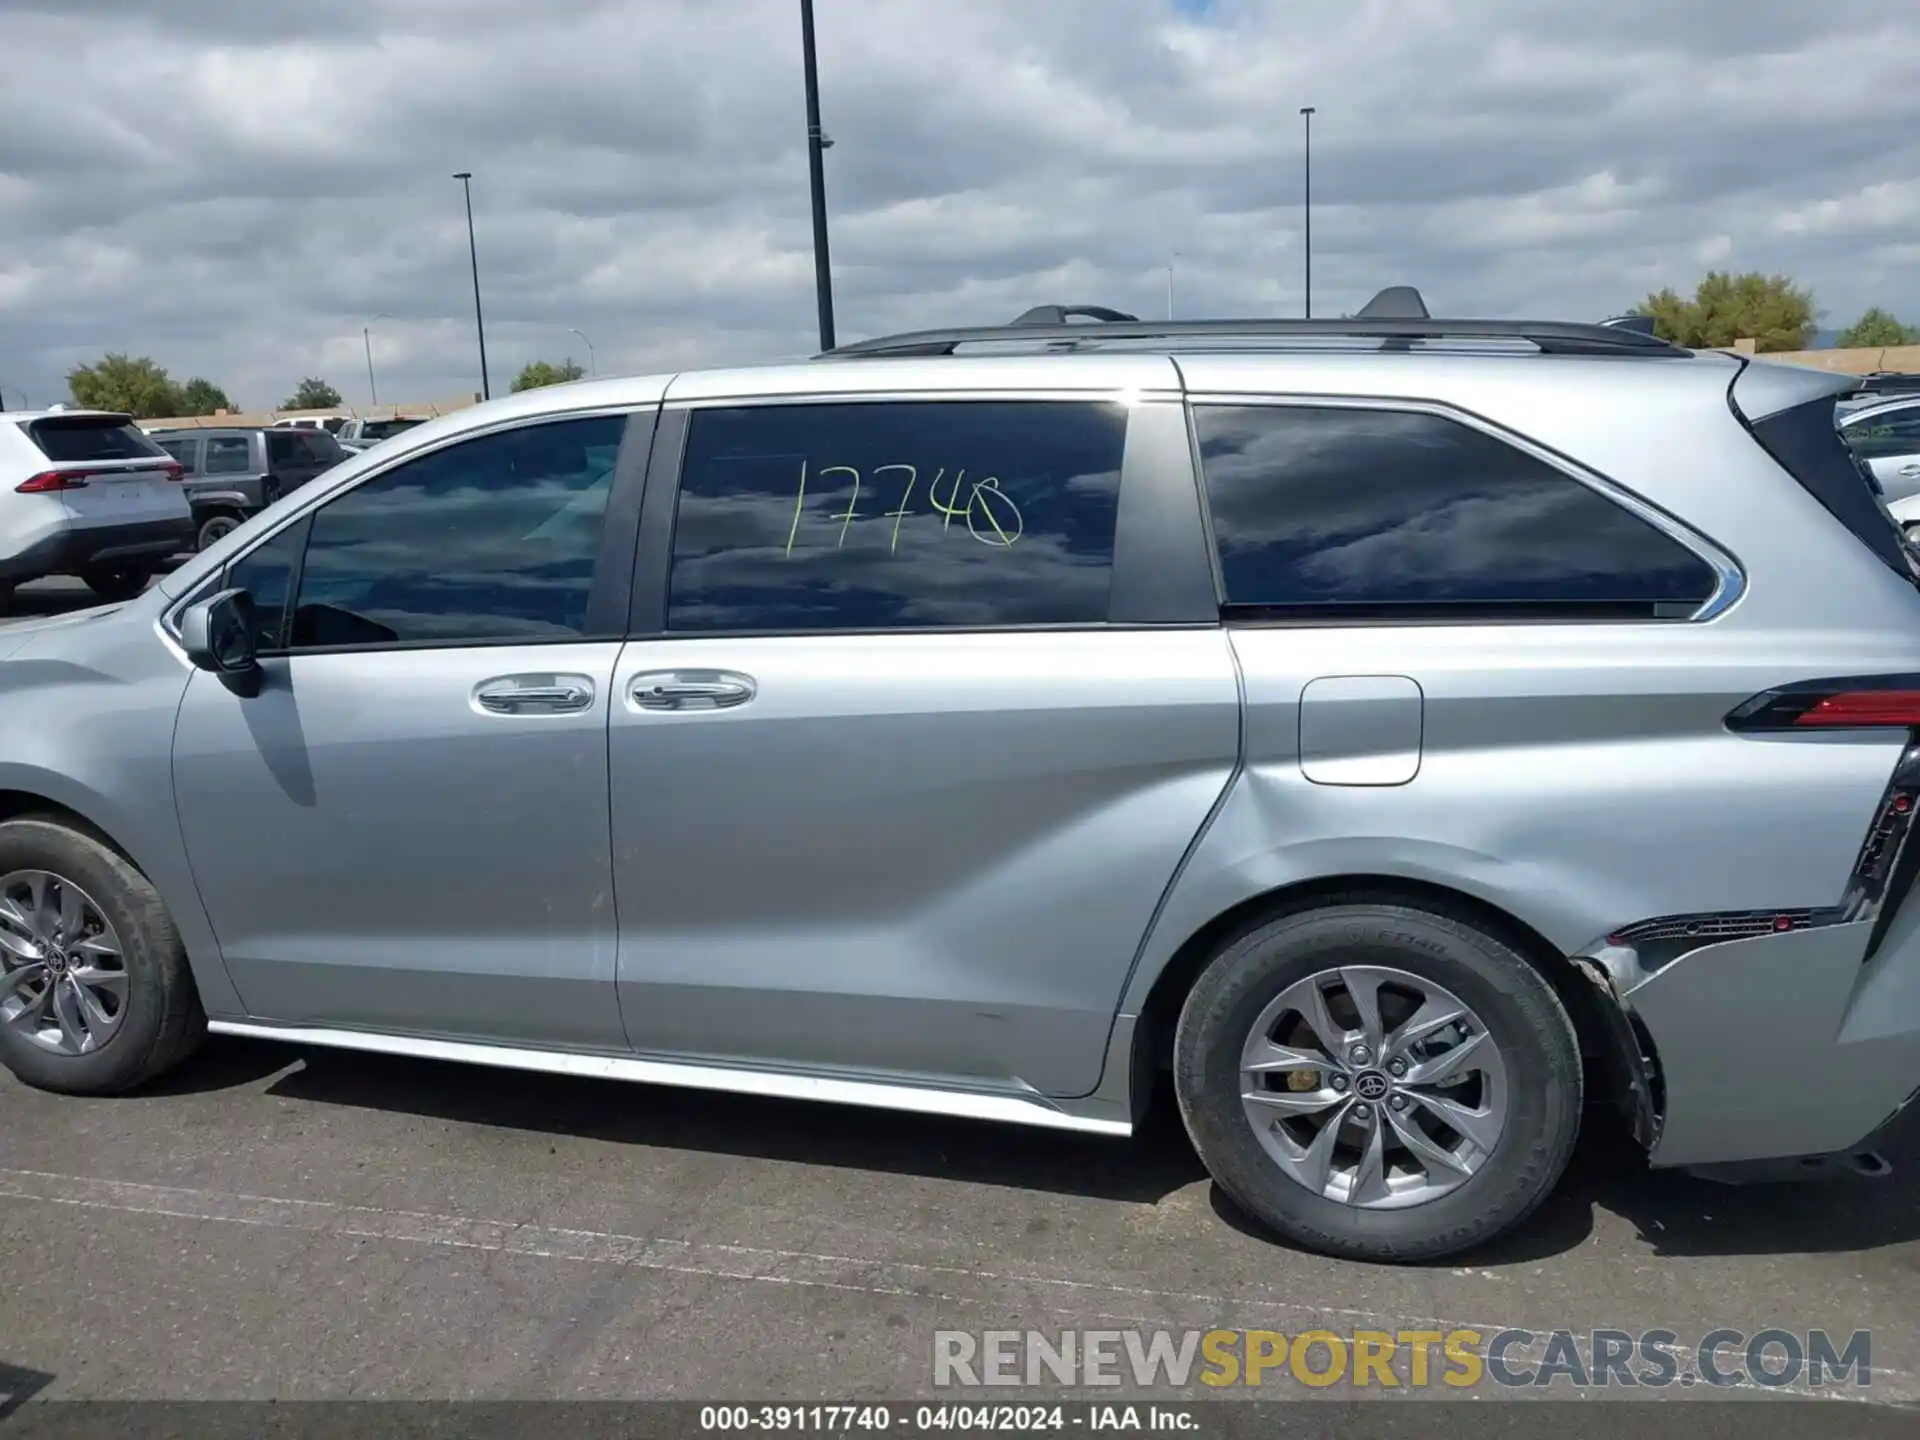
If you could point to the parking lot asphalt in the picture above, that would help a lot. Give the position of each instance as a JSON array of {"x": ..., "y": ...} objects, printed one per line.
[
  {"x": 281, "y": 1223},
  {"x": 276, "y": 1223}
]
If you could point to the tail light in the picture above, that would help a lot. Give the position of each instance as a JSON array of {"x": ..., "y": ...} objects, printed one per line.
[
  {"x": 1886, "y": 701},
  {"x": 48, "y": 481},
  {"x": 71, "y": 477}
]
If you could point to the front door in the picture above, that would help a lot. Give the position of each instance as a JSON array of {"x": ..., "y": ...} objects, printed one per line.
[
  {"x": 891, "y": 792},
  {"x": 407, "y": 829}
]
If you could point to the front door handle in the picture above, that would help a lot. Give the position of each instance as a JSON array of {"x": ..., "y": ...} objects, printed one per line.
[
  {"x": 534, "y": 695},
  {"x": 1911, "y": 472},
  {"x": 692, "y": 689}
]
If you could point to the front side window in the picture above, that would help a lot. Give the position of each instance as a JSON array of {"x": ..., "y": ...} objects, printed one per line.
[
  {"x": 228, "y": 455},
  {"x": 494, "y": 539},
  {"x": 1324, "y": 511},
  {"x": 897, "y": 515},
  {"x": 264, "y": 573}
]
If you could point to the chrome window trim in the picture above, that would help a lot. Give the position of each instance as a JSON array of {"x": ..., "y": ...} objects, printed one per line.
[
  {"x": 1105, "y": 392},
  {"x": 1730, "y": 579}
]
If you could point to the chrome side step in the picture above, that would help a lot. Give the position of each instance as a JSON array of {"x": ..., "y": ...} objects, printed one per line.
[{"x": 1007, "y": 1106}]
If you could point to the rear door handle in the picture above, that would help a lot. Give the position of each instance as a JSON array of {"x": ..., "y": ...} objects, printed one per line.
[
  {"x": 691, "y": 689},
  {"x": 1910, "y": 471},
  {"x": 534, "y": 695}
]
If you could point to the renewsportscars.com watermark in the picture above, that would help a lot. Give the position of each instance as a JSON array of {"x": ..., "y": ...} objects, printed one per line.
[{"x": 1400, "y": 1359}]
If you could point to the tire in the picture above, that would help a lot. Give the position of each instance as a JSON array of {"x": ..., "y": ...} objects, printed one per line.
[
  {"x": 117, "y": 582},
  {"x": 215, "y": 528},
  {"x": 1524, "y": 1065},
  {"x": 6, "y": 597},
  {"x": 158, "y": 1021}
]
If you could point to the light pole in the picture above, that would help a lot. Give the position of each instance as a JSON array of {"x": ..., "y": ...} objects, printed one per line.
[
  {"x": 592, "y": 369},
  {"x": 366, "y": 339},
  {"x": 817, "y": 144},
  {"x": 465, "y": 177},
  {"x": 1170, "y": 259},
  {"x": 1306, "y": 118}
]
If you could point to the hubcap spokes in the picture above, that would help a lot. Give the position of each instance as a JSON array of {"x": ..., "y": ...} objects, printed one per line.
[
  {"x": 63, "y": 973},
  {"x": 1373, "y": 1086}
]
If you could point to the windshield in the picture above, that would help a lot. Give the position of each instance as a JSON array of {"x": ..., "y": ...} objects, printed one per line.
[{"x": 382, "y": 429}]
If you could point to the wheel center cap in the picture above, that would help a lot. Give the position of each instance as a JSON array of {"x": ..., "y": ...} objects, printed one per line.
[
  {"x": 57, "y": 961},
  {"x": 1371, "y": 1085}
]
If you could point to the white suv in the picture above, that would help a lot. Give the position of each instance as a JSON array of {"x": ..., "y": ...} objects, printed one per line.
[{"x": 87, "y": 493}]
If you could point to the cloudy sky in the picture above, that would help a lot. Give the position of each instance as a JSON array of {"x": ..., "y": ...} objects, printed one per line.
[{"x": 236, "y": 187}]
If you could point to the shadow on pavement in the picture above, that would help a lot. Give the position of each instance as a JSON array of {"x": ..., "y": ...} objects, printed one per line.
[{"x": 1675, "y": 1214}]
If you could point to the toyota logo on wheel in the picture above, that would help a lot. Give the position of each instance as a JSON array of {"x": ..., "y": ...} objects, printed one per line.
[{"x": 1371, "y": 1085}]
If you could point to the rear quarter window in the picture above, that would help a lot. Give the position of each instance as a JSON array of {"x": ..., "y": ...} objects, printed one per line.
[
  {"x": 83, "y": 438},
  {"x": 1323, "y": 512}
]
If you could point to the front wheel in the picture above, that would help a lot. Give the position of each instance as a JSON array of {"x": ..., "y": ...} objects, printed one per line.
[
  {"x": 95, "y": 992},
  {"x": 116, "y": 582},
  {"x": 1378, "y": 1082}
]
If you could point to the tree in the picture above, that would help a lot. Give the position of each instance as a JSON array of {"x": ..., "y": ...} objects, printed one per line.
[
  {"x": 1770, "y": 310},
  {"x": 313, "y": 394},
  {"x": 202, "y": 397},
  {"x": 130, "y": 384},
  {"x": 1877, "y": 328},
  {"x": 540, "y": 372}
]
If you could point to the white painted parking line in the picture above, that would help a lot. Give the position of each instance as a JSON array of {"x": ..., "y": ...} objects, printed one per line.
[{"x": 1006, "y": 1295}]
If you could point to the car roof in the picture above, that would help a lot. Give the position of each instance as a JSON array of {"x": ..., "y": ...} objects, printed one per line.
[{"x": 1879, "y": 407}]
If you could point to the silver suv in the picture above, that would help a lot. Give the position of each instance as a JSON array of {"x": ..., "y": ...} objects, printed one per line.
[{"x": 1400, "y": 730}]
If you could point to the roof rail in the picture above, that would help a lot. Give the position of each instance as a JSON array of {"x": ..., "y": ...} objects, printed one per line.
[{"x": 1553, "y": 337}]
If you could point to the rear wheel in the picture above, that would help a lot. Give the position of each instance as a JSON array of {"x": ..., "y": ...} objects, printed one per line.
[
  {"x": 116, "y": 582},
  {"x": 1378, "y": 1082},
  {"x": 216, "y": 528},
  {"x": 95, "y": 992}
]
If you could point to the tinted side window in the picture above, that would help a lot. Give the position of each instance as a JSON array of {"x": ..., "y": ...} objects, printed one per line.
[
  {"x": 181, "y": 450},
  {"x": 283, "y": 448},
  {"x": 265, "y": 573},
  {"x": 1327, "y": 511},
  {"x": 897, "y": 515},
  {"x": 228, "y": 455},
  {"x": 493, "y": 539}
]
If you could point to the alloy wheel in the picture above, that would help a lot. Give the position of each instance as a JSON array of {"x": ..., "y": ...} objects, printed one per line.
[
  {"x": 63, "y": 971},
  {"x": 1373, "y": 1086}
]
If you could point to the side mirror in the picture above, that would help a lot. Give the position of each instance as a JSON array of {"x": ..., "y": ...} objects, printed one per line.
[{"x": 218, "y": 635}]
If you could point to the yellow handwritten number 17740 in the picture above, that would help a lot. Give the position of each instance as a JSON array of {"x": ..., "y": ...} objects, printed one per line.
[{"x": 990, "y": 514}]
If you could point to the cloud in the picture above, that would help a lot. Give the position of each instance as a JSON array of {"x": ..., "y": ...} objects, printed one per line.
[{"x": 236, "y": 189}]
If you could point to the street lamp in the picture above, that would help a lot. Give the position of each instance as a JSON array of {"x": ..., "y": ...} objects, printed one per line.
[
  {"x": 592, "y": 369},
  {"x": 366, "y": 339},
  {"x": 1306, "y": 118},
  {"x": 817, "y": 144},
  {"x": 1170, "y": 259},
  {"x": 465, "y": 177}
]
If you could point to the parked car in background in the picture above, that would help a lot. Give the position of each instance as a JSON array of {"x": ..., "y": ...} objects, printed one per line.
[
  {"x": 364, "y": 434},
  {"x": 86, "y": 493},
  {"x": 230, "y": 474},
  {"x": 329, "y": 423},
  {"x": 1886, "y": 436},
  {"x": 1401, "y": 731}
]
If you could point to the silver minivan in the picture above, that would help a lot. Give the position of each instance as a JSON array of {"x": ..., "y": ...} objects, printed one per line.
[{"x": 1409, "y": 733}]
